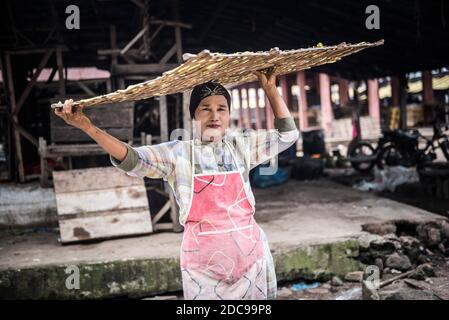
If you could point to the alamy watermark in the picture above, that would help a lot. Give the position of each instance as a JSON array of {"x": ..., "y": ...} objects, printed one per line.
[
  {"x": 373, "y": 19},
  {"x": 73, "y": 20},
  {"x": 72, "y": 282}
]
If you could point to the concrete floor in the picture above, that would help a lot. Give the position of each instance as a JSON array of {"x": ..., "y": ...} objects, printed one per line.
[{"x": 294, "y": 215}]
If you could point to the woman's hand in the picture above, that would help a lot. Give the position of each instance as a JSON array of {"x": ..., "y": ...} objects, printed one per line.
[
  {"x": 73, "y": 116},
  {"x": 267, "y": 78}
]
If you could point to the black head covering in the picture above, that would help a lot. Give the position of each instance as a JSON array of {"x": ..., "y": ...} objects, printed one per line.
[{"x": 205, "y": 90}]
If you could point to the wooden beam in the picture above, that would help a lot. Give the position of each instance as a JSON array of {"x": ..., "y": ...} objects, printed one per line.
[
  {"x": 403, "y": 101},
  {"x": 149, "y": 68},
  {"x": 113, "y": 40},
  {"x": 395, "y": 92},
  {"x": 12, "y": 99},
  {"x": 23, "y": 132},
  {"x": 5, "y": 109},
  {"x": 343, "y": 91},
  {"x": 85, "y": 88},
  {"x": 169, "y": 54},
  {"x": 427, "y": 90},
  {"x": 33, "y": 81},
  {"x": 161, "y": 212},
  {"x": 172, "y": 23},
  {"x": 61, "y": 77},
  {"x": 133, "y": 41}
]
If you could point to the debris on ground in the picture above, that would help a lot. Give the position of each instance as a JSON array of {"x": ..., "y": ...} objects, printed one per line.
[
  {"x": 388, "y": 179},
  {"x": 412, "y": 265}
]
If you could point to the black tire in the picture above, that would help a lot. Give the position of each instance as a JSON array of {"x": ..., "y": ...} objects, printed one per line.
[
  {"x": 389, "y": 156},
  {"x": 361, "y": 149}
]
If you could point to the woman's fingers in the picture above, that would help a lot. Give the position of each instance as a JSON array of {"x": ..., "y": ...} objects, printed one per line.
[{"x": 68, "y": 106}]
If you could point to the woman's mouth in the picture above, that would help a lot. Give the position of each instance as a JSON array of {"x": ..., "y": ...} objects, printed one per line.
[{"x": 214, "y": 126}]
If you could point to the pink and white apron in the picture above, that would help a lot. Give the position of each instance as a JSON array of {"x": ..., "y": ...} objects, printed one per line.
[{"x": 222, "y": 252}]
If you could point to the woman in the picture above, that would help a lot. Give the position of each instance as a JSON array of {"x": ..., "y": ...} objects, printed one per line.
[{"x": 224, "y": 253}]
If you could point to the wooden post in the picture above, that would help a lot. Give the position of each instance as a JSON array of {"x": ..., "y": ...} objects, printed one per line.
[
  {"x": 373, "y": 99},
  {"x": 302, "y": 100},
  {"x": 403, "y": 101},
  {"x": 163, "y": 118},
  {"x": 60, "y": 71},
  {"x": 394, "y": 91},
  {"x": 12, "y": 99},
  {"x": 427, "y": 95},
  {"x": 33, "y": 81},
  {"x": 326, "y": 104},
  {"x": 343, "y": 91}
]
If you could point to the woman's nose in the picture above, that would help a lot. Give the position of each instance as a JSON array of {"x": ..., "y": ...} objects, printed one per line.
[{"x": 215, "y": 115}]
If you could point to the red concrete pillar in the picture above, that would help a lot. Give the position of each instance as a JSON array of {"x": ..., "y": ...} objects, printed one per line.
[
  {"x": 248, "y": 111},
  {"x": 343, "y": 91},
  {"x": 394, "y": 91},
  {"x": 373, "y": 99},
  {"x": 269, "y": 116},
  {"x": 326, "y": 104},
  {"x": 427, "y": 89},
  {"x": 257, "y": 110},
  {"x": 240, "y": 122},
  {"x": 302, "y": 100},
  {"x": 286, "y": 90}
]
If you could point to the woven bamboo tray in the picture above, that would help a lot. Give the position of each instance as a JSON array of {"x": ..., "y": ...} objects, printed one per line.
[{"x": 235, "y": 68}]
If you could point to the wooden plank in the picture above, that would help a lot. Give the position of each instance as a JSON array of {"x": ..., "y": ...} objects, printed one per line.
[
  {"x": 74, "y": 150},
  {"x": 92, "y": 179},
  {"x": 99, "y": 227},
  {"x": 100, "y": 203},
  {"x": 72, "y": 134},
  {"x": 102, "y": 200},
  {"x": 118, "y": 117},
  {"x": 125, "y": 69}
]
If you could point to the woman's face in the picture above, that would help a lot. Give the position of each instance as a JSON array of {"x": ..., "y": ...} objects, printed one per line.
[{"x": 213, "y": 114}]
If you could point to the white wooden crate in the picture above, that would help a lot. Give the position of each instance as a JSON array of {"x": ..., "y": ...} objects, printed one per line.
[{"x": 99, "y": 203}]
